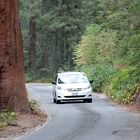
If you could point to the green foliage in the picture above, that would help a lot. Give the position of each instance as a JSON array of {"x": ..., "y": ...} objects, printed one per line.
[
  {"x": 34, "y": 106},
  {"x": 96, "y": 47},
  {"x": 28, "y": 78},
  {"x": 96, "y": 53},
  {"x": 100, "y": 74},
  {"x": 110, "y": 49},
  {"x": 134, "y": 49},
  {"x": 122, "y": 86},
  {"x": 44, "y": 80},
  {"x": 7, "y": 118},
  {"x": 59, "y": 27},
  {"x": 38, "y": 78}
]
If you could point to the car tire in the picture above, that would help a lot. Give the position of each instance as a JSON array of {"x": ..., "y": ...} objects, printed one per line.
[
  {"x": 88, "y": 101},
  {"x": 57, "y": 101}
]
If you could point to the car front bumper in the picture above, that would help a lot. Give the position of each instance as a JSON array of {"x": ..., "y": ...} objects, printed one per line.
[{"x": 80, "y": 95}]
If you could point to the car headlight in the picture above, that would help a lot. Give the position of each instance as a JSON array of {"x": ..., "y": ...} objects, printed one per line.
[
  {"x": 59, "y": 87},
  {"x": 86, "y": 88}
]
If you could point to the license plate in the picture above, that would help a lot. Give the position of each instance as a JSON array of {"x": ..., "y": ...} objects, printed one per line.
[{"x": 74, "y": 94}]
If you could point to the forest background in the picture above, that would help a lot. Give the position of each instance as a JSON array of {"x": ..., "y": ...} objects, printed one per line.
[{"x": 99, "y": 37}]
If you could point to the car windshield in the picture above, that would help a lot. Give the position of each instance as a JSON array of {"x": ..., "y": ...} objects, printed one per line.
[{"x": 72, "y": 79}]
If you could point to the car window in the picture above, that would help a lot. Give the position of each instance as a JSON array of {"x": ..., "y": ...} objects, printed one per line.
[{"x": 72, "y": 79}]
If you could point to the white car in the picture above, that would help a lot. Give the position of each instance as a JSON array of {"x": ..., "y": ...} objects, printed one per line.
[{"x": 71, "y": 86}]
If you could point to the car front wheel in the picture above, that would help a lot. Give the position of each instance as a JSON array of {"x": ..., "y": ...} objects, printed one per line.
[
  {"x": 88, "y": 100},
  {"x": 57, "y": 101},
  {"x": 54, "y": 100}
]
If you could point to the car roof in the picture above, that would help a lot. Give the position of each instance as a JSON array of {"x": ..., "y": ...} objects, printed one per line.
[{"x": 71, "y": 73}]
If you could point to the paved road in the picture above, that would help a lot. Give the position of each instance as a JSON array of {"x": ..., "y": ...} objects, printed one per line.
[{"x": 82, "y": 121}]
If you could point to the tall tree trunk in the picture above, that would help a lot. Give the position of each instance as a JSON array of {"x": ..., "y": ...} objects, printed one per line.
[
  {"x": 32, "y": 39},
  {"x": 13, "y": 96}
]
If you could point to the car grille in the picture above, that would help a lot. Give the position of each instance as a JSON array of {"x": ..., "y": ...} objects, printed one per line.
[
  {"x": 77, "y": 96},
  {"x": 74, "y": 89}
]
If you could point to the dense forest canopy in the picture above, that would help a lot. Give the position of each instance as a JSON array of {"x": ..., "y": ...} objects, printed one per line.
[
  {"x": 58, "y": 27},
  {"x": 100, "y": 37}
]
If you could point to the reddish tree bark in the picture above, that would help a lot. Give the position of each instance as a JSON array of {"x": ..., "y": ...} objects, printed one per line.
[{"x": 13, "y": 94}]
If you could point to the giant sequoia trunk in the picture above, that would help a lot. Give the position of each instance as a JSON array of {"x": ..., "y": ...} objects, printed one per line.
[{"x": 13, "y": 94}]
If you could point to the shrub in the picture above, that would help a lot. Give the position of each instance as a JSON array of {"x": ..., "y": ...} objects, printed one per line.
[
  {"x": 34, "y": 106},
  {"x": 100, "y": 74},
  {"x": 7, "y": 118},
  {"x": 122, "y": 86}
]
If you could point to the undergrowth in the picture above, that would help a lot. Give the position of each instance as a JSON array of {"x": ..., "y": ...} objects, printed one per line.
[{"x": 7, "y": 118}]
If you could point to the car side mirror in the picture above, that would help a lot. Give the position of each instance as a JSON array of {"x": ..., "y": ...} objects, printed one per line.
[
  {"x": 91, "y": 81},
  {"x": 54, "y": 83}
]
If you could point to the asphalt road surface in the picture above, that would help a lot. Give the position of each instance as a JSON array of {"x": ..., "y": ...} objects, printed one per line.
[{"x": 99, "y": 120}]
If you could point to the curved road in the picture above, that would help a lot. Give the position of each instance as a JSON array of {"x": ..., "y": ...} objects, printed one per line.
[{"x": 99, "y": 120}]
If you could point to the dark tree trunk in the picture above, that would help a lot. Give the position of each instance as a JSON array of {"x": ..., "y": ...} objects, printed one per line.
[
  {"x": 32, "y": 39},
  {"x": 13, "y": 96}
]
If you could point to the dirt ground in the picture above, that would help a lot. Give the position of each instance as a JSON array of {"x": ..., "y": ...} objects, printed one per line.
[
  {"x": 132, "y": 108},
  {"x": 25, "y": 123},
  {"x": 135, "y": 107}
]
